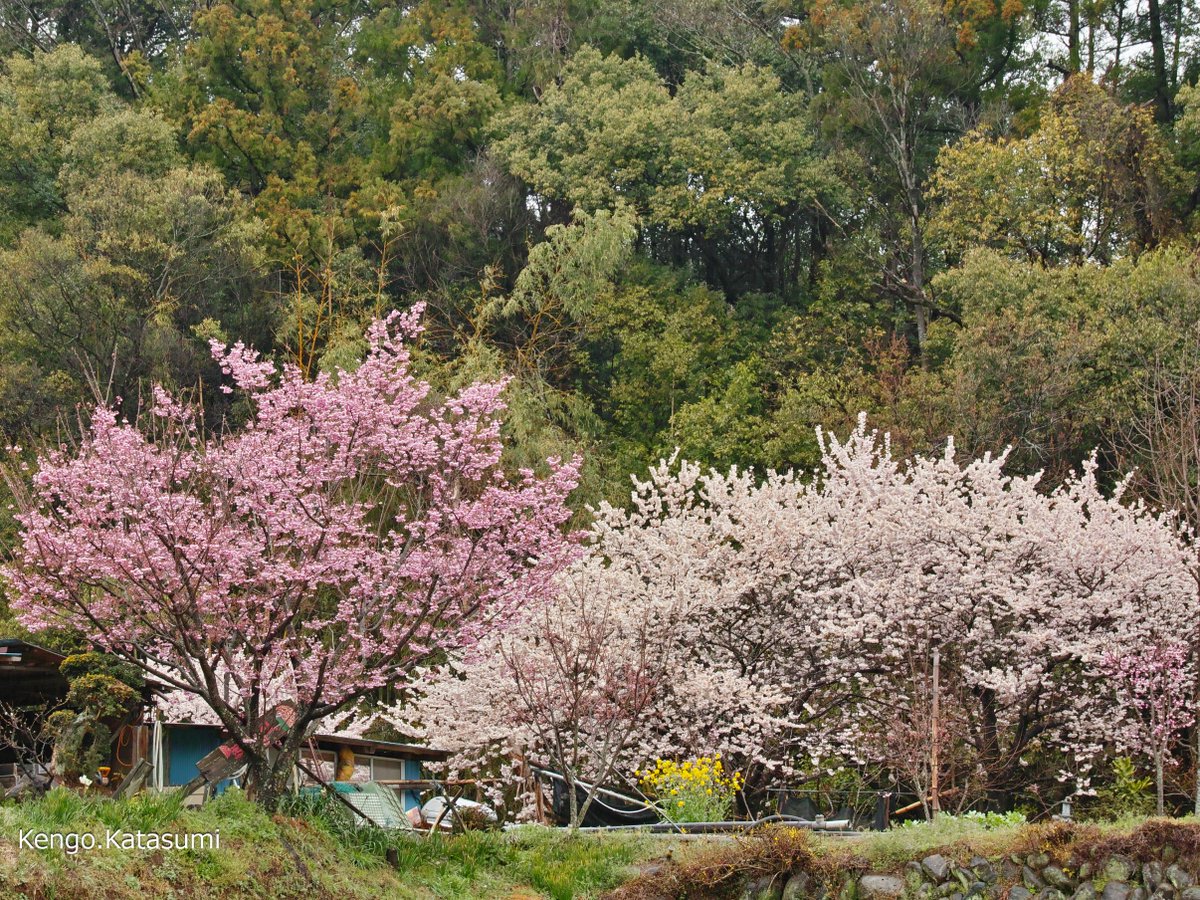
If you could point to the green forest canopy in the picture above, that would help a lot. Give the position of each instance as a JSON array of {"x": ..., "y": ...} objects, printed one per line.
[{"x": 712, "y": 225}]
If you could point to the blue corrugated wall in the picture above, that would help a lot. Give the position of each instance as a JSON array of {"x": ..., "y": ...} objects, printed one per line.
[{"x": 187, "y": 746}]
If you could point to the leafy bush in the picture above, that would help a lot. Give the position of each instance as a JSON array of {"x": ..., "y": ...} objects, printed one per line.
[
  {"x": 100, "y": 696},
  {"x": 100, "y": 689},
  {"x": 1129, "y": 794},
  {"x": 81, "y": 742},
  {"x": 78, "y": 665}
]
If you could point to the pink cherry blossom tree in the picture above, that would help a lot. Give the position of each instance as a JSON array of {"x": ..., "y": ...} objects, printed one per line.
[
  {"x": 355, "y": 528},
  {"x": 1153, "y": 686}
]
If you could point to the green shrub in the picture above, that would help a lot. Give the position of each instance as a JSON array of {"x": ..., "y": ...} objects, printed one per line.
[
  {"x": 81, "y": 742},
  {"x": 1128, "y": 794},
  {"x": 99, "y": 688},
  {"x": 100, "y": 696},
  {"x": 78, "y": 665}
]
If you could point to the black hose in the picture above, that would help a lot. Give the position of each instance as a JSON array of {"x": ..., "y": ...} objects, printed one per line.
[{"x": 703, "y": 827}]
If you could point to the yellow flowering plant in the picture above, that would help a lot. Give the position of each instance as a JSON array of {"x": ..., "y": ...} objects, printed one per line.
[{"x": 695, "y": 790}]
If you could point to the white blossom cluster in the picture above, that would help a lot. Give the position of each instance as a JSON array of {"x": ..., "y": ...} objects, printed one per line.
[{"x": 783, "y": 620}]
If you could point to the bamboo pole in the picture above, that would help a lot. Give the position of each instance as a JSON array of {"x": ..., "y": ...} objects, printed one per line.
[{"x": 933, "y": 750}]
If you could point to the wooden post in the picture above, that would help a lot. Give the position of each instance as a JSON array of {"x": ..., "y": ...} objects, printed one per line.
[
  {"x": 539, "y": 801},
  {"x": 933, "y": 749},
  {"x": 134, "y": 780}
]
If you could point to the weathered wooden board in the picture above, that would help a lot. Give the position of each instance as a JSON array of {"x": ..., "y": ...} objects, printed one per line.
[{"x": 224, "y": 761}]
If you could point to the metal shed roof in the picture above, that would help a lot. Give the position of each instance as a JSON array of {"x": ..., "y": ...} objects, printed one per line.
[{"x": 28, "y": 673}]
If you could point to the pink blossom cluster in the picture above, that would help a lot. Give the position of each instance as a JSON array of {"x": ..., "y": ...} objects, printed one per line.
[
  {"x": 1154, "y": 685},
  {"x": 353, "y": 528}
]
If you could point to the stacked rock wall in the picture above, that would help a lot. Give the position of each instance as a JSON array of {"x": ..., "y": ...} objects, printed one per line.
[
  {"x": 1016, "y": 876},
  {"x": 1158, "y": 860}
]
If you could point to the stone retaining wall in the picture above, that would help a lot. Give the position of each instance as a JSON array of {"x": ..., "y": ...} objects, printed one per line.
[{"x": 1031, "y": 876}]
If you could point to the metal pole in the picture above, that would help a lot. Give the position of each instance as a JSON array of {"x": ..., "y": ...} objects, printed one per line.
[
  {"x": 933, "y": 749},
  {"x": 1196, "y": 763},
  {"x": 332, "y": 791}
]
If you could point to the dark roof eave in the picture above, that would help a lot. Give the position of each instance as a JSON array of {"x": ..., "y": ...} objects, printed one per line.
[
  {"x": 383, "y": 748},
  {"x": 49, "y": 659}
]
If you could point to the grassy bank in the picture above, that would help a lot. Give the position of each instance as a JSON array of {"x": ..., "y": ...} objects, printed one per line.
[
  {"x": 963, "y": 838},
  {"x": 310, "y": 852}
]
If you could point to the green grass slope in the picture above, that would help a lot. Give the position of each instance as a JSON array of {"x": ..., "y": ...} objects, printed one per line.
[{"x": 310, "y": 853}]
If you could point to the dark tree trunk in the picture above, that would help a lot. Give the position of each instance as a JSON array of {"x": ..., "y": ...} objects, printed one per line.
[
  {"x": 1000, "y": 800},
  {"x": 1162, "y": 91},
  {"x": 716, "y": 273},
  {"x": 267, "y": 781},
  {"x": 818, "y": 247},
  {"x": 1074, "y": 56},
  {"x": 772, "y": 262}
]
